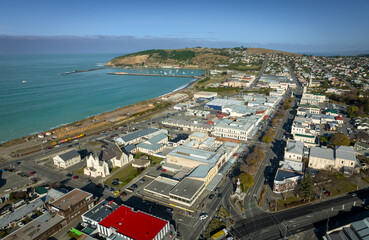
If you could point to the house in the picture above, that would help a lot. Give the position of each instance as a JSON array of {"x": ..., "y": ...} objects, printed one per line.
[
  {"x": 362, "y": 148},
  {"x": 96, "y": 167},
  {"x": 339, "y": 119},
  {"x": 67, "y": 159},
  {"x": 125, "y": 223}
]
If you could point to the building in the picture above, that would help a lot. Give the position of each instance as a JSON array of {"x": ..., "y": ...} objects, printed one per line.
[
  {"x": 153, "y": 145},
  {"x": 96, "y": 167},
  {"x": 286, "y": 180},
  {"x": 307, "y": 139},
  {"x": 177, "y": 97},
  {"x": 345, "y": 157},
  {"x": 138, "y": 136},
  {"x": 358, "y": 230},
  {"x": 239, "y": 130},
  {"x": 341, "y": 158},
  {"x": 180, "y": 139},
  {"x": 114, "y": 156},
  {"x": 321, "y": 158},
  {"x": 294, "y": 151},
  {"x": 67, "y": 159},
  {"x": 72, "y": 205},
  {"x": 125, "y": 223},
  {"x": 99, "y": 212},
  {"x": 205, "y": 95},
  {"x": 191, "y": 157},
  {"x": 219, "y": 104},
  {"x": 187, "y": 191},
  {"x": 40, "y": 228}
]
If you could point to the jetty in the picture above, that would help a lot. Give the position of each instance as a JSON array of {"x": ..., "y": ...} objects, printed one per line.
[
  {"x": 79, "y": 71},
  {"x": 153, "y": 75}
]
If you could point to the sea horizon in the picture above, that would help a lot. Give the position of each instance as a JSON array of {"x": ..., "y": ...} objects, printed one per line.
[{"x": 38, "y": 98}]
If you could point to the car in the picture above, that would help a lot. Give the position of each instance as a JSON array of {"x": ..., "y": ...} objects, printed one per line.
[
  {"x": 327, "y": 193},
  {"x": 32, "y": 173},
  {"x": 88, "y": 181},
  {"x": 123, "y": 194},
  {"x": 98, "y": 185},
  {"x": 217, "y": 190},
  {"x": 115, "y": 183},
  {"x": 169, "y": 210},
  {"x": 220, "y": 195},
  {"x": 75, "y": 177},
  {"x": 116, "y": 193},
  {"x": 211, "y": 196},
  {"x": 354, "y": 194},
  {"x": 21, "y": 224},
  {"x": 141, "y": 180},
  {"x": 111, "y": 190},
  {"x": 203, "y": 216},
  {"x": 134, "y": 186},
  {"x": 43, "y": 210},
  {"x": 17, "y": 163}
]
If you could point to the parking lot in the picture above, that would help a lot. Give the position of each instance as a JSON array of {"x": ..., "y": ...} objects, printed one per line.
[{"x": 10, "y": 180}]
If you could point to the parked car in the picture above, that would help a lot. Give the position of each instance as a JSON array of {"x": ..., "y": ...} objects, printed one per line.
[
  {"x": 123, "y": 194},
  {"x": 141, "y": 180},
  {"x": 98, "y": 185},
  {"x": 20, "y": 224},
  {"x": 217, "y": 190},
  {"x": 211, "y": 196},
  {"x": 32, "y": 173},
  {"x": 116, "y": 193},
  {"x": 75, "y": 177},
  {"x": 134, "y": 186},
  {"x": 220, "y": 195},
  {"x": 203, "y": 216}
]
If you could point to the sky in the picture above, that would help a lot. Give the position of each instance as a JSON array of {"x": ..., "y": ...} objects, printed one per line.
[{"x": 318, "y": 27}]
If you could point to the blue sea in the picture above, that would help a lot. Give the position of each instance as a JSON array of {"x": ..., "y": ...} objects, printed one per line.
[{"x": 36, "y": 97}]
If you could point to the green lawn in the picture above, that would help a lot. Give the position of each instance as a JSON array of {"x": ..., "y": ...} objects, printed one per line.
[
  {"x": 155, "y": 160},
  {"x": 125, "y": 175},
  {"x": 80, "y": 171},
  {"x": 214, "y": 226}
]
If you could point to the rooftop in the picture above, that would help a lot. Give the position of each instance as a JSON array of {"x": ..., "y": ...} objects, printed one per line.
[
  {"x": 283, "y": 174},
  {"x": 187, "y": 188},
  {"x": 71, "y": 198},
  {"x": 201, "y": 171},
  {"x": 69, "y": 155},
  {"x": 136, "y": 225},
  {"x": 345, "y": 152},
  {"x": 295, "y": 147},
  {"x": 35, "y": 228},
  {"x": 138, "y": 134},
  {"x": 195, "y": 154},
  {"x": 319, "y": 152},
  {"x": 101, "y": 211}
]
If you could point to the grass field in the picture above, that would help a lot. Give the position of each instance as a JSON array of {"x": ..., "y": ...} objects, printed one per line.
[{"x": 125, "y": 175}]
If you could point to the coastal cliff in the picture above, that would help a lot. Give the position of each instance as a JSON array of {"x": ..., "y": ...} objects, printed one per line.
[{"x": 187, "y": 58}]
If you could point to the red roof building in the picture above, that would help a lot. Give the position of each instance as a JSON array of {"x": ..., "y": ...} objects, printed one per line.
[{"x": 125, "y": 222}]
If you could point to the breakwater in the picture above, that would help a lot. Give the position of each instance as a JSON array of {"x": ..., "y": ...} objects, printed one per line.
[{"x": 152, "y": 75}]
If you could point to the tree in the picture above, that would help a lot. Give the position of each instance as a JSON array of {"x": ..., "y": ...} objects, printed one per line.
[
  {"x": 352, "y": 111},
  {"x": 340, "y": 139},
  {"x": 306, "y": 185},
  {"x": 247, "y": 180}
]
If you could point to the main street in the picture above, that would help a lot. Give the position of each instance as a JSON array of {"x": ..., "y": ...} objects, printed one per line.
[{"x": 292, "y": 221}]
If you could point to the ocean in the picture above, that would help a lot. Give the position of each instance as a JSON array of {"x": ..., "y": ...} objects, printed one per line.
[{"x": 35, "y": 96}]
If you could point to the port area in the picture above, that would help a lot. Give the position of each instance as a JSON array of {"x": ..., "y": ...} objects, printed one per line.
[{"x": 147, "y": 74}]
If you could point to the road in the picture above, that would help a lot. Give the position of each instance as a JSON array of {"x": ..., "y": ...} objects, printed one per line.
[{"x": 299, "y": 219}]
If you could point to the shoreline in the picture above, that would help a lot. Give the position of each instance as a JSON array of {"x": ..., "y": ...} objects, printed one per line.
[{"x": 22, "y": 139}]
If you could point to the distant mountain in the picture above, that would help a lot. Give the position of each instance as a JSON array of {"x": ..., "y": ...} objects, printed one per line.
[{"x": 188, "y": 57}]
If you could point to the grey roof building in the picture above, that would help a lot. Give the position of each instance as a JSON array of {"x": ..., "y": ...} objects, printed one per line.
[
  {"x": 319, "y": 152},
  {"x": 99, "y": 212},
  {"x": 69, "y": 155},
  {"x": 356, "y": 231},
  {"x": 187, "y": 191}
]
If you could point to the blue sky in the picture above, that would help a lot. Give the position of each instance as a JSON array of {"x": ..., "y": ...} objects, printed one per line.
[{"x": 126, "y": 26}]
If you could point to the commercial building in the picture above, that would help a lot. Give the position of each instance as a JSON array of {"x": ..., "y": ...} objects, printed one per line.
[
  {"x": 72, "y": 205},
  {"x": 153, "y": 145},
  {"x": 126, "y": 223},
  {"x": 39, "y": 229},
  {"x": 138, "y": 136},
  {"x": 358, "y": 230},
  {"x": 219, "y": 104},
  {"x": 205, "y": 95},
  {"x": 99, "y": 212},
  {"x": 239, "y": 129},
  {"x": 67, "y": 159}
]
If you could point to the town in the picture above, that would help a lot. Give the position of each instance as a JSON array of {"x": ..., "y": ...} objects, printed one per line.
[{"x": 266, "y": 146}]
